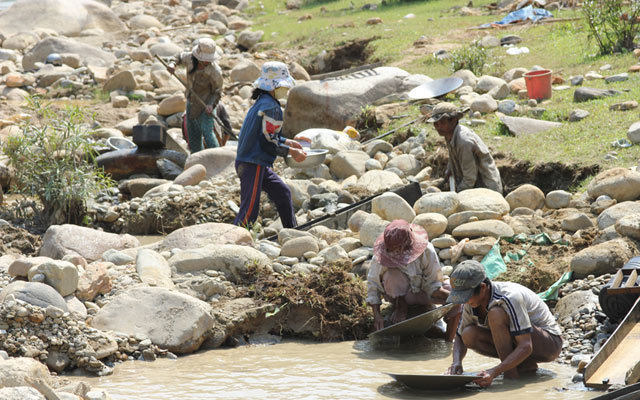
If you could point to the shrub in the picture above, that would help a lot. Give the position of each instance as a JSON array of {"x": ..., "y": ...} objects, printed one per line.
[
  {"x": 613, "y": 24},
  {"x": 54, "y": 163},
  {"x": 471, "y": 57}
]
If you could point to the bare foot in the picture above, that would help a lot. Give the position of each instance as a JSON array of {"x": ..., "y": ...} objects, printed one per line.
[
  {"x": 511, "y": 374},
  {"x": 528, "y": 367}
]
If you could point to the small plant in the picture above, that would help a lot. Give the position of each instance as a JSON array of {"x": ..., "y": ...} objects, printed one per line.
[
  {"x": 54, "y": 163},
  {"x": 613, "y": 24},
  {"x": 471, "y": 57}
]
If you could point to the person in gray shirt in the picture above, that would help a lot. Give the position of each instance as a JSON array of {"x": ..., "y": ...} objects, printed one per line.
[{"x": 470, "y": 162}]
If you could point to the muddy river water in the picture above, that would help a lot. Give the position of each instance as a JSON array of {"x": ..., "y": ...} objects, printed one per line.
[{"x": 298, "y": 370}]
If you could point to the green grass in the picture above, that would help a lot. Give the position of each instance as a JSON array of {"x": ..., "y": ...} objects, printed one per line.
[{"x": 561, "y": 46}]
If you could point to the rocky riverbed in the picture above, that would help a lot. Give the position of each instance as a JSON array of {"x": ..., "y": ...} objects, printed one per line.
[{"x": 91, "y": 296}]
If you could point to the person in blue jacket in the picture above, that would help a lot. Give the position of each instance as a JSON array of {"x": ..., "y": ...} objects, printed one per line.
[{"x": 260, "y": 143}]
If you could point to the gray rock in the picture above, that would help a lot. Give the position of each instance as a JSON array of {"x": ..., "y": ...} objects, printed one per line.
[
  {"x": 519, "y": 126},
  {"x": 617, "y": 78},
  {"x": 406, "y": 163},
  {"x": 35, "y": 293},
  {"x": 117, "y": 257},
  {"x": 378, "y": 181},
  {"x": 629, "y": 226},
  {"x": 487, "y": 82},
  {"x": 526, "y": 195},
  {"x": 445, "y": 203},
  {"x": 197, "y": 236},
  {"x": 568, "y": 306},
  {"x": 153, "y": 269},
  {"x": 22, "y": 265},
  {"x": 143, "y": 22},
  {"x": 372, "y": 227},
  {"x": 20, "y": 393},
  {"x": 62, "y": 240},
  {"x": 347, "y": 163},
  {"x": 585, "y": 94},
  {"x": 558, "y": 199},
  {"x": 484, "y": 104},
  {"x": 576, "y": 221},
  {"x": 90, "y": 55},
  {"x": 489, "y": 41},
  {"x": 377, "y": 145},
  {"x": 61, "y": 275},
  {"x": 578, "y": 115},
  {"x": 476, "y": 229},
  {"x": 601, "y": 259},
  {"x": 232, "y": 260},
  {"x": 297, "y": 247},
  {"x": 463, "y": 217},
  {"x": 634, "y": 133},
  {"x": 248, "y": 39},
  {"x": 481, "y": 199},
  {"x": 139, "y": 186},
  {"x": 171, "y": 320},
  {"x": 390, "y": 206},
  {"x": 435, "y": 224},
  {"x": 245, "y": 71},
  {"x": 507, "y": 107},
  {"x": 618, "y": 183},
  {"x": 510, "y": 39},
  {"x": 577, "y": 80},
  {"x": 165, "y": 49},
  {"x": 333, "y": 254},
  {"x": 443, "y": 242}
]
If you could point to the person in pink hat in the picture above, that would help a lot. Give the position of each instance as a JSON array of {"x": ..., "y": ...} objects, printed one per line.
[{"x": 406, "y": 271}]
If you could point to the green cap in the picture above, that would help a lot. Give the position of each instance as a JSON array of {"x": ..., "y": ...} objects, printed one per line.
[{"x": 464, "y": 278}]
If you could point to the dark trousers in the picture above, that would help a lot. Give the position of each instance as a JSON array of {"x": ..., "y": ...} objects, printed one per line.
[{"x": 253, "y": 179}]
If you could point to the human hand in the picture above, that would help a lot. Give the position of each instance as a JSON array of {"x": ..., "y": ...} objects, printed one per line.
[
  {"x": 293, "y": 143},
  {"x": 208, "y": 109},
  {"x": 455, "y": 369},
  {"x": 297, "y": 154},
  {"x": 485, "y": 378}
]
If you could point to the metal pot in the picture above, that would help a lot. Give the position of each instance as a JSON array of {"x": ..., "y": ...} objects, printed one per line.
[{"x": 314, "y": 157}]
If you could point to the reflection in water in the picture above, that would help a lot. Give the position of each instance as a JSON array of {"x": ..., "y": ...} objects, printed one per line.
[{"x": 293, "y": 370}]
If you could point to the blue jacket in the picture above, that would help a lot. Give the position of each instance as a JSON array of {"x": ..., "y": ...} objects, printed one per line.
[{"x": 260, "y": 141}]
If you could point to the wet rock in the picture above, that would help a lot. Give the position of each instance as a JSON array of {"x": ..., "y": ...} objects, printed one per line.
[
  {"x": 445, "y": 203},
  {"x": 601, "y": 259},
  {"x": 90, "y": 55},
  {"x": 22, "y": 265},
  {"x": 35, "y": 293},
  {"x": 153, "y": 269},
  {"x": 61, "y": 275},
  {"x": 476, "y": 229},
  {"x": 245, "y": 71},
  {"x": 297, "y": 247},
  {"x": 347, "y": 163},
  {"x": 576, "y": 221},
  {"x": 578, "y": 115},
  {"x": 66, "y": 17},
  {"x": 377, "y": 181},
  {"x": 406, "y": 163},
  {"x": 629, "y": 226},
  {"x": 230, "y": 259},
  {"x": 526, "y": 195},
  {"x": 171, "y": 320},
  {"x": 191, "y": 176},
  {"x": 390, "y": 206},
  {"x": 618, "y": 183},
  {"x": 612, "y": 214},
  {"x": 558, "y": 199},
  {"x": 94, "y": 281},
  {"x": 62, "y": 240},
  {"x": 482, "y": 199},
  {"x": 218, "y": 161},
  {"x": 197, "y": 236},
  {"x": 585, "y": 94},
  {"x": 435, "y": 224},
  {"x": 372, "y": 227}
]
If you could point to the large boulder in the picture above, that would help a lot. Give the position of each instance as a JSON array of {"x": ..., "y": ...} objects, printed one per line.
[
  {"x": 89, "y": 55},
  {"x": 123, "y": 80},
  {"x": 629, "y": 226},
  {"x": 612, "y": 214},
  {"x": 601, "y": 259},
  {"x": 372, "y": 227},
  {"x": 230, "y": 259},
  {"x": 174, "y": 321},
  {"x": 377, "y": 181},
  {"x": 35, "y": 293},
  {"x": 445, "y": 203},
  {"x": 476, "y": 229},
  {"x": 482, "y": 199},
  {"x": 463, "y": 217},
  {"x": 22, "y": 371},
  {"x": 296, "y": 247},
  {"x": 172, "y": 105},
  {"x": 196, "y": 236},
  {"x": 153, "y": 269},
  {"x": 390, "y": 206},
  {"x": 62, "y": 240},
  {"x": 59, "y": 274},
  {"x": 526, "y": 196},
  {"x": 219, "y": 161},
  {"x": 618, "y": 183},
  {"x": 335, "y": 104},
  {"x": 570, "y": 305},
  {"x": 406, "y": 163},
  {"x": 67, "y": 17},
  {"x": 435, "y": 224},
  {"x": 347, "y": 163}
]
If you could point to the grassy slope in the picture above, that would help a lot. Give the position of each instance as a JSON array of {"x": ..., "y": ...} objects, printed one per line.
[{"x": 562, "y": 46}]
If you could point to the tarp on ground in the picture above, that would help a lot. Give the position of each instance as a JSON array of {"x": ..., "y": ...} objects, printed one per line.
[{"x": 523, "y": 14}]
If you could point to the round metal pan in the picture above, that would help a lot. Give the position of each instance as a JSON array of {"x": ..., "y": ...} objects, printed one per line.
[
  {"x": 436, "y": 88},
  {"x": 433, "y": 382}
]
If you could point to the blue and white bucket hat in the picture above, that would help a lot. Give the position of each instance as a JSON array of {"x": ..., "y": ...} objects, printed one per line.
[{"x": 274, "y": 74}]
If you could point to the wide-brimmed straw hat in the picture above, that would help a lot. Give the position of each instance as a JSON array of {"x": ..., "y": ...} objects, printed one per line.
[
  {"x": 400, "y": 244},
  {"x": 444, "y": 109},
  {"x": 273, "y": 75},
  {"x": 205, "y": 50}
]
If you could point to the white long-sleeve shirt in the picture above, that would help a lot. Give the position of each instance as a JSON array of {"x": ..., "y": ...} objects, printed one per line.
[{"x": 424, "y": 273}]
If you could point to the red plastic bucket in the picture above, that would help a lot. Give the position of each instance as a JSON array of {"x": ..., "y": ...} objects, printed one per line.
[{"x": 538, "y": 84}]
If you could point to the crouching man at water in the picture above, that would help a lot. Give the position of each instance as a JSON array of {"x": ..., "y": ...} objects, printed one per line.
[
  {"x": 405, "y": 271},
  {"x": 501, "y": 319}
]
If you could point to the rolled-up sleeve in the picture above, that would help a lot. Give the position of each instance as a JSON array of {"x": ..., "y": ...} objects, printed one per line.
[
  {"x": 431, "y": 270},
  {"x": 374, "y": 285}
]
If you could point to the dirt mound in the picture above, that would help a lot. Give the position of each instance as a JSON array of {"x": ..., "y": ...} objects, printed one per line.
[
  {"x": 335, "y": 297},
  {"x": 18, "y": 241},
  {"x": 347, "y": 55}
]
